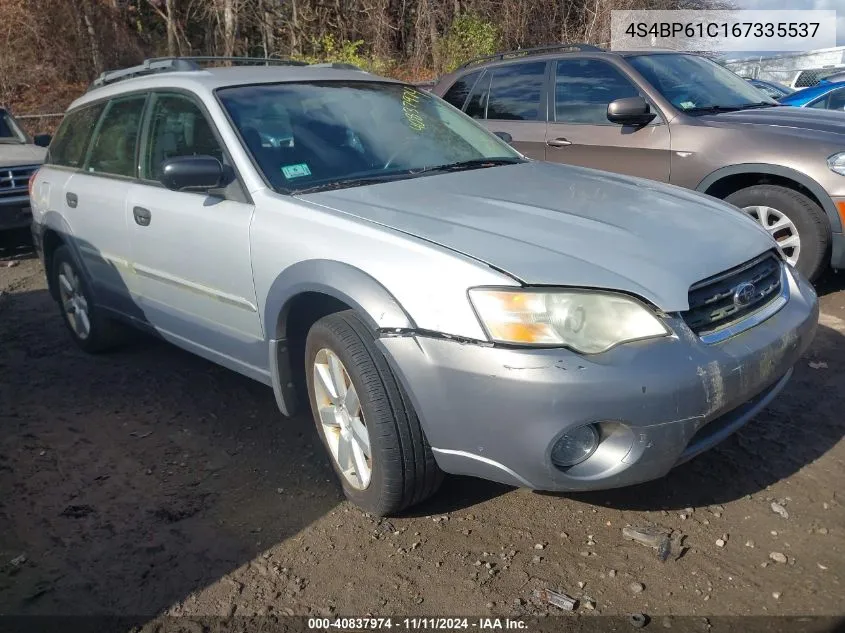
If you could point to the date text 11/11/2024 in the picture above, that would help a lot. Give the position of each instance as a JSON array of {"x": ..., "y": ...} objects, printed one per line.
[{"x": 443, "y": 624}]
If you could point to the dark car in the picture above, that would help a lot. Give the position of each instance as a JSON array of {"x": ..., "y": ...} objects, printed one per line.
[{"x": 674, "y": 117}]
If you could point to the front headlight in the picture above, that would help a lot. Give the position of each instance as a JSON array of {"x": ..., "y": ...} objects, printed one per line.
[
  {"x": 837, "y": 163},
  {"x": 586, "y": 321}
]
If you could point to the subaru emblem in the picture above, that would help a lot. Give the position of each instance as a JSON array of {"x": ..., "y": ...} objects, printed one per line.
[{"x": 744, "y": 294}]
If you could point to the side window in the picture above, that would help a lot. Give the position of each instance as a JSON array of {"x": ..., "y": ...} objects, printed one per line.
[
  {"x": 515, "y": 92},
  {"x": 584, "y": 88},
  {"x": 477, "y": 104},
  {"x": 177, "y": 128},
  {"x": 113, "y": 149},
  {"x": 819, "y": 104},
  {"x": 837, "y": 100},
  {"x": 458, "y": 93},
  {"x": 71, "y": 142}
]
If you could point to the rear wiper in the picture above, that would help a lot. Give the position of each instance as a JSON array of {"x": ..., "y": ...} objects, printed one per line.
[{"x": 476, "y": 163}]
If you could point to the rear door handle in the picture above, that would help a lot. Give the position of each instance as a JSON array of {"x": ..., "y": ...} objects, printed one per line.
[
  {"x": 558, "y": 142},
  {"x": 72, "y": 199},
  {"x": 142, "y": 216}
]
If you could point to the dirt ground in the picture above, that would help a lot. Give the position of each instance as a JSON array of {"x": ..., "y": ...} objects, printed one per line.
[{"x": 149, "y": 481}]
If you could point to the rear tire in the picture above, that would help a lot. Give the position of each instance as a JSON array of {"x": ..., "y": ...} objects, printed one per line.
[
  {"x": 807, "y": 218},
  {"x": 402, "y": 469},
  {"x": 90, "y": 328}
]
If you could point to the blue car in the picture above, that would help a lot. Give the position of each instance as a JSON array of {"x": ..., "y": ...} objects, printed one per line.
[
  {"x": 825, "y": 95},
  {"x": 771, "y": 88}
]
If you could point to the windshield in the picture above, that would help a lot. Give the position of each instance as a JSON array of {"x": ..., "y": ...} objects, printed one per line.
[
  {"x": 9, "y": 130},
  {"x": 697, "y": 85},
  {"x": 307, "y": 136}
]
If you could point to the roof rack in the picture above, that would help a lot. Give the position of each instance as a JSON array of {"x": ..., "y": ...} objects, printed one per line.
[
  {"x": 539, "y": 50},
  {"x": 177, "y": 64}
]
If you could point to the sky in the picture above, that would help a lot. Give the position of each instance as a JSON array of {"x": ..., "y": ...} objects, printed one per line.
[{"x": 837, "y": 5}]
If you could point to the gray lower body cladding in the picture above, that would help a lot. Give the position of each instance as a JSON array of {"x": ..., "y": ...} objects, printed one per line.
[{"x": 496, "y": 413}]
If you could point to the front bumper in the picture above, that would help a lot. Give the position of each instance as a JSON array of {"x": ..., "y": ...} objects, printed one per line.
[
  {"x": 15, "y": 212},
  {"x": 495, "y": 413}
]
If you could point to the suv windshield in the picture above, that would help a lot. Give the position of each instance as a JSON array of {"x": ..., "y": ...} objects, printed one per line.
[
  {"x": 9, "y": 130},
  {"x": 697, "y": 85},
  {"x": 326, "y": 135}
]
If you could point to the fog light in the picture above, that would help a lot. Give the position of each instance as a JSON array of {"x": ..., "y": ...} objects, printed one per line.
[{"x": 575, "y": 446}]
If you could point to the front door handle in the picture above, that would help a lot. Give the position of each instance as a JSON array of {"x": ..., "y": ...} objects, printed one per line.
[
  {"x": 72, "y": 199},
  {"x": 142, "y": 216},
  {"x": 558, "y": 142}
]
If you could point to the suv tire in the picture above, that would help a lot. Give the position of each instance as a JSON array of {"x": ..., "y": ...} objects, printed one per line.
[
  {"x": 400, "y": 470},
  {"x": 807, "y": 217},
  {"x": 87, "y": 323}
]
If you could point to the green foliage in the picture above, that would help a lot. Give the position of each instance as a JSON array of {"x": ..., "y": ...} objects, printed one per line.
[
  {"x": 469, "y": 36},
  {"x": 329, "y": 49}
]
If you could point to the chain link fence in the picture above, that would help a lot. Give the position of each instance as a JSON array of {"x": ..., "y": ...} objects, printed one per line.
[{"x": 793, "y": 77}]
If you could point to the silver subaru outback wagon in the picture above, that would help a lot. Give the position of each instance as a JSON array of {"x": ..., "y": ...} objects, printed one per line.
[{"x": 441, "y": 303}]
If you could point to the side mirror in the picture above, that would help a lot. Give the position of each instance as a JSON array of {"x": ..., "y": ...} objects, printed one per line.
[
  {"x": 42, "y": 140},
  {"x": 507, "y": 138},
  {"x": 630, "y": 111},
  {"x": 192, "y": 173}
]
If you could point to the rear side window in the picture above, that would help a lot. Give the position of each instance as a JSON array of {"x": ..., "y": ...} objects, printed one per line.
[
  {"x": 113, "y": 149},
  {"x": 458, "y": 93},
  {"x": 515, "y": 92},
  {"x": 178, "y": 127},
  {"x": 71, "y": 142},
  {"x": 837, "y": 100},
  {"x": 585, "y": 87}
]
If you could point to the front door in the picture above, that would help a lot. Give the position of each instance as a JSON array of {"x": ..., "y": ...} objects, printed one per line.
[
  {"x": 511, "y": 99},
  {"x": 191, "y": 251},
  {"x": 579, "y": 132}
]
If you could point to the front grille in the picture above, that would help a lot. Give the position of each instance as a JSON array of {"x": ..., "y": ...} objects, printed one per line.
[
  {"x": 15, "y": 180},
  {"x": 726, "y": 298}
]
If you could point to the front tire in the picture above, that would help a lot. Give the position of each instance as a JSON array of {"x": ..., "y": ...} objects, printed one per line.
[
  {"x": 88, "y": 325},
  {"x": 798, "y": 224},
  {"x": 365, "y": 419}
]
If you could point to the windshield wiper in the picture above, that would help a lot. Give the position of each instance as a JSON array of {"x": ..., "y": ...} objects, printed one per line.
[
  {"x": 476, "y": 163},
  {"x": 359, "y": 181},
  {"x": 711, "y": 108},
  {"x": 759, "y": 104}
]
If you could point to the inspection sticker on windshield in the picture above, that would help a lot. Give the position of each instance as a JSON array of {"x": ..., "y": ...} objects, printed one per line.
[
  {"x": 686, "y": 105},
  {"x": 296, "y": 171}
]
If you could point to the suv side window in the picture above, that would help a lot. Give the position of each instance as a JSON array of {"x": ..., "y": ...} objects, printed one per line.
[
  {"x": 458, "y": 93},
  {"x": 178, "y": 127},
  {"x": 515, "y": 92},
  {"x": 113, "y": 150},
  {"x": 71, "y": 142},
  {"x": 584, "y": 88},
  {"x": 477, "y": 105}
]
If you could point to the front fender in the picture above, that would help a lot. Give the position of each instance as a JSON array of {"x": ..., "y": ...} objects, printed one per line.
[
  {"x": 784, "y": 172},
  {"x": 373, "y": 302}
]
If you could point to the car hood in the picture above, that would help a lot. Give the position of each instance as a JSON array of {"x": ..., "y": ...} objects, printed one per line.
[
  {"x": 12, "y": 154},
  {"x": 557, "y": 225},
  {"x": 786, "y": 120}
]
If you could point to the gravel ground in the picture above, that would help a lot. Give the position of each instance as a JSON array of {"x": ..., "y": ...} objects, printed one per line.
[{"x": 149, "y": 481}]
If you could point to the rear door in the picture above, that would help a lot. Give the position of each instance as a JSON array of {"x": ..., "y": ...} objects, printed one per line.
[
  {"x": 190, "y": 250},
  {"x": 95, "y": 201},
  {"x": 579, "y": 132}
]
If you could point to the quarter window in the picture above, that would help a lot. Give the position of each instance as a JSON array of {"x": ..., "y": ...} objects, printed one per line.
[
  {"x": 515, "y": 92},
  {"x": 113, "y": 148},
  {"x": 177, "y": 128},
  {"x": 585, "y": 87},
  {"x": 71, "y": 142},
  {"x": 458, "y": 93}
]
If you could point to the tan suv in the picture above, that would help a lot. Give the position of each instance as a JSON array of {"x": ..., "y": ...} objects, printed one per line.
[{"x": 674, "y": 117}]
